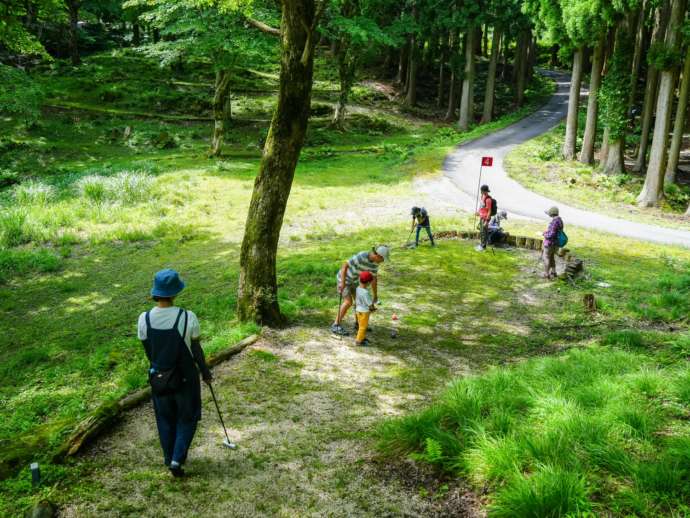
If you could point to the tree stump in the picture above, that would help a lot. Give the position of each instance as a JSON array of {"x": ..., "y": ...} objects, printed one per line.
[{"x": 590, "y": 303}]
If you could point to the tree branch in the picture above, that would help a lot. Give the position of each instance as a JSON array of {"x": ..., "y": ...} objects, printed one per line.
[{"x": 263, "y": 27}]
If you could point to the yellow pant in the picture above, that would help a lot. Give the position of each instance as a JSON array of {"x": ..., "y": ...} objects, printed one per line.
[{"x": 363, "y": 323}]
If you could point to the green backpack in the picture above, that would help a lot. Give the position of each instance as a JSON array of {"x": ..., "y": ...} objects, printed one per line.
[{"x": 561, "y": 239}]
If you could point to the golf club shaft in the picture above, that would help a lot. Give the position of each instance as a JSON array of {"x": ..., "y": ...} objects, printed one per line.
[{"x": 220, "y": 416}]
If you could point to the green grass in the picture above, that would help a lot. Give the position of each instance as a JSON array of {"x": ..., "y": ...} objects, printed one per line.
[
  {"x": 537, "y": 164},
  {"x": 558, "y": 436}
]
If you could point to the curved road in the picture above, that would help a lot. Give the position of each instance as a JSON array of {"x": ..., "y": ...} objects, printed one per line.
[{"x": 461, "y": 167}]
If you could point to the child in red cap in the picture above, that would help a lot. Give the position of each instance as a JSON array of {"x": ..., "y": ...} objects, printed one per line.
[{"x": 364, "y": 305}]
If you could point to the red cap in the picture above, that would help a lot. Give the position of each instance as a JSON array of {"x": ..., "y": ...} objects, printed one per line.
[{"x": 366, "y": 277}]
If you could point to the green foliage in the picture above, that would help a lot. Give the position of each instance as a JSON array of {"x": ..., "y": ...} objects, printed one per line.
[
  {"x": 18, "y": 262},
  {"x": 20, "y": 96},
  {"x": 541, "y": 434},
  {"x": 627, "y": 338},
  {"x": 125, "y": 187},
  {"x": 662, "y": 57},
  {"x": 664, "y": 299},
  {"x": 613, "y": 94}
]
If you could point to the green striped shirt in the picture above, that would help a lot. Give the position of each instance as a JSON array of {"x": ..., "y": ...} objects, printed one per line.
[{"x": 357, "y": 264}]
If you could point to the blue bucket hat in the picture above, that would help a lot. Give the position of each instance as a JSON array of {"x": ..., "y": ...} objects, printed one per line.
[{"x": 166, "y": 283}]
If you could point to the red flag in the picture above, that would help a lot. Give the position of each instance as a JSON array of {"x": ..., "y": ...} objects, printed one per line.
[{"x": 487, "y": 161}]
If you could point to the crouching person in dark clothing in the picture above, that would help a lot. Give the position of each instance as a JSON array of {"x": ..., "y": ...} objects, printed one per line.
[{"x": 171, "y": 338}]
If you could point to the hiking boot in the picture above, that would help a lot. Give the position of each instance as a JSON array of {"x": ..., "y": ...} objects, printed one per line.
[
  {"x": 337, "y": 329},
  {"x": 363, "y": 343}
]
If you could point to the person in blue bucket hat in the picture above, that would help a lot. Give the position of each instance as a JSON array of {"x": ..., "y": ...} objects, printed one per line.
[{"x": 171, "y": 338}]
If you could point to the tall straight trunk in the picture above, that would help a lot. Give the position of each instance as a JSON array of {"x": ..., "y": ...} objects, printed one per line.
[
  {"x": 637, "y": 55},
  {"x": 136, "y": 34},
  {"x": 504, "y": 63},
  {"x": 402, "y": 66},
  {"x": 440, "y": 95},
  {"x": 521, "y": 66},
  {"x": 346, "y": 74},
  {"x": 679, "y": 123},
  {"x": 653, "y": 188},
  {"x": 573, "y": 105},
  {"x": 531, "y": 59},
  {"x": 72, "y": 42},
  {"x": 222, "y": 110},
  {"x": 490, "y": 91},
  {"x": 554, "y": 56},
  {"x": 485, "y": 48},
  {"x": 452, "y": 97},
  {"x": 411, "y": 86},
  {"x": 258, "y": 288},
  {"x": 467, "y": 96},
  {"x": 587, "y": 152},
  {"x": 651, "y": 87}
]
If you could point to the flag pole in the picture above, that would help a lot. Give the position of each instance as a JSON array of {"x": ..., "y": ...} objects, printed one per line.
[{"x": 476, "y": 206}]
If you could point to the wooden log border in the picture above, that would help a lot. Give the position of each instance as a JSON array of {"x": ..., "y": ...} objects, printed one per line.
[
  {"x": 107, "y": 413},
  {"x": 529, "y": 243}
]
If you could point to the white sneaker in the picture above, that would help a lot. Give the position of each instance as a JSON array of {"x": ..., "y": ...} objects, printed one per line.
[{"x": 479, "y": 248}]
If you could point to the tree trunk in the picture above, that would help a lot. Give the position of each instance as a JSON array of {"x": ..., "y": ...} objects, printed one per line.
[
  {"x": 452, "y": 97},
  {"x": 411, "y": 96},
  {"x": 679, "y": 124},
  {"x": 258, "y": 289},
  {"x": 441, "y": 76},
  {"x": 136, "y": 34},
  {"x": 637, "y": 55},
  {"x": 504, "y": 63},
  {"x": 651, "y": 87},
  {"x": 614, "y": 163},
  {"x": 467, "y": 96},
  {"x": 653, "y": 189},
  {"x": 554, "y": 56},
  {"x": 485, "y": 51},
  {"x": 532, "y": 58},
  {"x": 222, "y": 110},
  {"x": 573, "y": 104},
  {"x": 346, "y": 74},
  {"x": 488, "y": 113},
  {"x": 402, "y": 66},
  {"x": 156, "y": 35},
  {"x": 73, "y": 10},
  {"x": 521, "y": 65},
  {"x": 587, "y": 152}
]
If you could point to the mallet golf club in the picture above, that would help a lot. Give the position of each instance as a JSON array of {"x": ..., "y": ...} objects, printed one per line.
[{"x": 226, "y": 442}]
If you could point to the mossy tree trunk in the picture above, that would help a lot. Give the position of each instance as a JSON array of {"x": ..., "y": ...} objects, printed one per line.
[
  {"x": 587, "y": 151},
  {"x": 653, "y": 188},
  {"x": 573, "y": 105},
  {"x": 679, "y": 123},
  {"x": 222, "y": 110},
  {"x": 467, "y": 96},
  {"x": 637, "y": 53},
  {"x": 489, "y": 93},
  {"x": 73, "y": 7},
  {"x": 651, "y": 87},
  {"x": 258, "y": 289}
]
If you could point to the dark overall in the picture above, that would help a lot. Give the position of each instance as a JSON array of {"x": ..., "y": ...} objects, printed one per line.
[{"x": 177, "y": 414}]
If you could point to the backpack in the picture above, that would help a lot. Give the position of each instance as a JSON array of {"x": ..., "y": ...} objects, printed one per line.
[
  {"x": 561, "y": 238},
  {"x": 494, "y": 206}
]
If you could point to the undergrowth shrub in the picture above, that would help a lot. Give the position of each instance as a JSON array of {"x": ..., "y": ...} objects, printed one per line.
[
  {"x": 127, "y": 188},
  {"x": 13, "y": 227},
  {"x": 24, "y": 261},
  {"x": 540, "y": 435},
  {"x": 34, "y": 193},
  {"x": 627, "y": 338}
]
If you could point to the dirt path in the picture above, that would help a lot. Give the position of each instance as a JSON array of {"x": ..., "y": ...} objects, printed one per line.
[{"x": 461, "y": 168}]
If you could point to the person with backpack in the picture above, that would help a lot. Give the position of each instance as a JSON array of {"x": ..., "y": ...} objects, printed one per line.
[
  {"x": 171, "y": 339},
  {"x": 554, "y": 238},
  {"x": 487, "y": 209},
  {"x": 420, "y": 220}
]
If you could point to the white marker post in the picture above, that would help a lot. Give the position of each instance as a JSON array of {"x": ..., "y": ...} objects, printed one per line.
[{"x": 487, "y": 161}]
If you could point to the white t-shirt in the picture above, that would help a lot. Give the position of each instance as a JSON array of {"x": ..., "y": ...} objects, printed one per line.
[
  {"x": 164, "y": 318},
  {"x": 363, "y": 300}
]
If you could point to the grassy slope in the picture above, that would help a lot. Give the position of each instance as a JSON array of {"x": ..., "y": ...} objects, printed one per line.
[
  {"x": 77, "y": 346},
  {"x": 537, "y": 165}
]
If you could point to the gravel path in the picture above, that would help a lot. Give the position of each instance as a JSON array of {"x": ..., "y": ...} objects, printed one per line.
[{"x": 461, "y": 170}]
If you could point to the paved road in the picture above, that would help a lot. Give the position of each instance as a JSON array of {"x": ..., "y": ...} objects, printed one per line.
[{"x": 461, "y": 168}]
